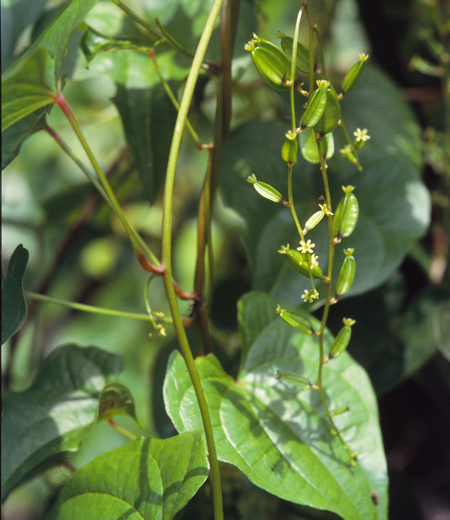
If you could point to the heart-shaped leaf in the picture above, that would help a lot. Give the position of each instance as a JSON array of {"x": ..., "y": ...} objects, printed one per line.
[
  {"x": 14, "y": 308},
  {"x": 279, "y": 436},
  {"x": 149, "y": 479},
  {"x": 56, "y": 412},
  {"x": 394, "y": 204}
]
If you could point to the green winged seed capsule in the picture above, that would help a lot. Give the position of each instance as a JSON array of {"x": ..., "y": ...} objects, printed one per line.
[
  {"x": 265, "y": 190},
  {"x": 302, "y": 60},
  {"x": 299, "y": 262},
  {"x": 346, "y": 275},
  {"x": 308, "y": 146},
  {"x": 342, "y": 339},
  {"x": 354, "y": 73},
  {"x": 293, "y": 379},
  {"x": 294, "y": 319},
  {"x": 315, "y": 109},
  {"x": 313, "y": 221},
  {"x": 331, "y": 115},
  {"x": 346, "y": 215},
  {"x": 289, "y": 151},
  {"x": 271, "y": 62}
]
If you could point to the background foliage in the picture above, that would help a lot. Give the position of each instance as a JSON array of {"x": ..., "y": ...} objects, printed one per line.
[{"x": 78, "y": 250}]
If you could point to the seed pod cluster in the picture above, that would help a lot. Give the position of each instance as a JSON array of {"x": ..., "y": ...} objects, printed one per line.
[
  {"x": 295, "y": 320},
  {"x": 272, "y": 64},
  {"x": 299, "y": 262},
  {"x": 346, "y": 215},
  {"x": 346, "y": 275},
  {"x": 342, "y": 340}
]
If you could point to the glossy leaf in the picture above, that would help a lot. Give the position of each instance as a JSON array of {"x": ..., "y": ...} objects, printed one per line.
[
  {"x": 115, "y": 399},
  {"x": 277, "y": 435},
  {"x": 394, "y": 204},
  {"x": 148, "y": 118},
  {"x": 14, "y": 308},
  {"x": 149, "y": 479},
  {"x": 53, "y": 416}
]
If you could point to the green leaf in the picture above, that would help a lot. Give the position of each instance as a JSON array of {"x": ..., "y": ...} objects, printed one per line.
[
  {"x": 33, "y": 80},
  {"x": 56, "y": 412},
  {"x": 279, "y": 436},
  {"x": 394, "y": 203},
  {"x": 14, "y": 308},
  {"x": 27, "y": 87},
  {"x": 115, "y": 399},
  {"x": 148, "y": 118},
  {"x": 149, "y": 479}
]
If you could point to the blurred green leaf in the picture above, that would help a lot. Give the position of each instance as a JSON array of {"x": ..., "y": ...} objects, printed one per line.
[
  {"x": 93, "y": 43},
  {"x": 14, "y": 308},
  {"x": 16, "y": 16},
  {"x": 53, "y": 416},
  {"x": 149, "y": 479},
  {"x": 148, "y": 118},
  {"x": 115, "y": 399},
  {"x": 394, "y": 203},
  {"x": 14, "y": 136},
  {"x": 278, "y": 437},
  {"x": 424, "y": 328}
]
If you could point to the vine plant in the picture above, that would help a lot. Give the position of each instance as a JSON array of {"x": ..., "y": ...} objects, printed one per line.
[
  {"x": 321, "y": 117},
  {"x": 261, "y": 423}
]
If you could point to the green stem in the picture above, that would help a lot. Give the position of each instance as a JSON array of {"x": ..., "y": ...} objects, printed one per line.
[
  {"x": 87, "y": 308},
  {"x": 323, "y": 323},
  {"x": 350, "y": 142},
  {"x": 167, "y": 256},
  {"x": 294, "y": 66},
  {"x": 120, "y": 429},
  {"x": 172, "y": 98},
  {"x": 138, "y": 244},
  {"x": 291, "y": 202},
  {"x": 311, "y": 49},
  {"x": 60, "y": 141},
  {"x": 135, "y": 17},
  {"x": 322, "y": 56},
  {"x": 170, "y": 39}
]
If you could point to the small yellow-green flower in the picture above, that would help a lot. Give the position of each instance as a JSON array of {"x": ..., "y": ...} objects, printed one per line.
[
  {"x": 325, "y": 209},
  {"x": 314, "y": 261},
  {"x": 306, "y": 247},
  {"x": 310, "y": 296},
  {"x": 361, "y": 135}
]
